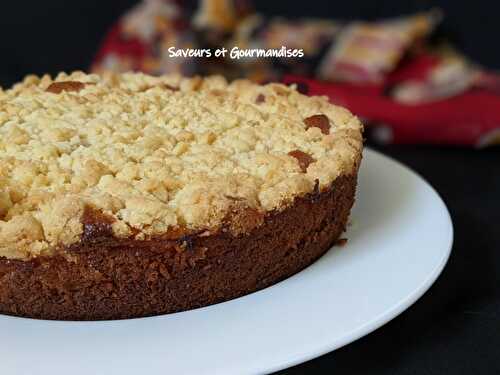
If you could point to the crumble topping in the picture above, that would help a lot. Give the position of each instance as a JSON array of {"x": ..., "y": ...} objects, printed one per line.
[{"x": 158, "y": 153}]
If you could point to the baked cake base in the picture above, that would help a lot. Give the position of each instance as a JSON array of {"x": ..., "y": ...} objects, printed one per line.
[{"x": 143, "y": 278}]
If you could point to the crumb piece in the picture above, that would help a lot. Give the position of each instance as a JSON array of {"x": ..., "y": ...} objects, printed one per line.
[
  {"x": 58, "y": 87},
  {"x": 303, "y": 158},
  {"x": 318, "y": 121},
  {"x": 341, "y": 242}
]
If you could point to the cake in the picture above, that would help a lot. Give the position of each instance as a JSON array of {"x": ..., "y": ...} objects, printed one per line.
[{"x": 130, "y": 195}]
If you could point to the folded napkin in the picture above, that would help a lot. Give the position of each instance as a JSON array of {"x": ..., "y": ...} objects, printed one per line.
[{"x": 407, "y": 89}]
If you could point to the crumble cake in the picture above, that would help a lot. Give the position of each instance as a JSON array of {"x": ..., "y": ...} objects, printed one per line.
[{"x": 131, "y": 195}]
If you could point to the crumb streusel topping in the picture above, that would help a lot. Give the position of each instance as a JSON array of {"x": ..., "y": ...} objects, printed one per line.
[{"x": 158, "y": 153}]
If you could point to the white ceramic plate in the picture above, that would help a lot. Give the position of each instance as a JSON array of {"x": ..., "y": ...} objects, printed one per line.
[{"x": 399, "y": 242}]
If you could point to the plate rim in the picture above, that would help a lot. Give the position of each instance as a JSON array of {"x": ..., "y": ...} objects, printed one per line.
[{"x": 395, "y": 311}]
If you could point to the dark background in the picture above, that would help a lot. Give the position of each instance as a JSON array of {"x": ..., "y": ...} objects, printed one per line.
[
  {"x": 54, "y": 35},
  {"x": 455, "y": 327}
]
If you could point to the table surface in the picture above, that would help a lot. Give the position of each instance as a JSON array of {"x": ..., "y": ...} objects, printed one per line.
[{"x": 455, "y": 327}]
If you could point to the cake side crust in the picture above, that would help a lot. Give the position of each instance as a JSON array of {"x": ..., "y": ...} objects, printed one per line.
[{"x": 143, "y": 278}]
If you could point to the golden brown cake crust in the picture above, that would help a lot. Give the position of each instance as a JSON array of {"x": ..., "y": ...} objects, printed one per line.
[
  {"x": 108, "y": 278},
  {"x": 158, "y": 156}
]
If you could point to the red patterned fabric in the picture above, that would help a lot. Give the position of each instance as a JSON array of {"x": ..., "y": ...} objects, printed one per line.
[
  {"x": 471, "y": 117},
  {"x": 406, "y": 91}
]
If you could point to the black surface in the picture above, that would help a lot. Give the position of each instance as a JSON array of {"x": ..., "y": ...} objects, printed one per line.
[{"x": 455, "y": 327}]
